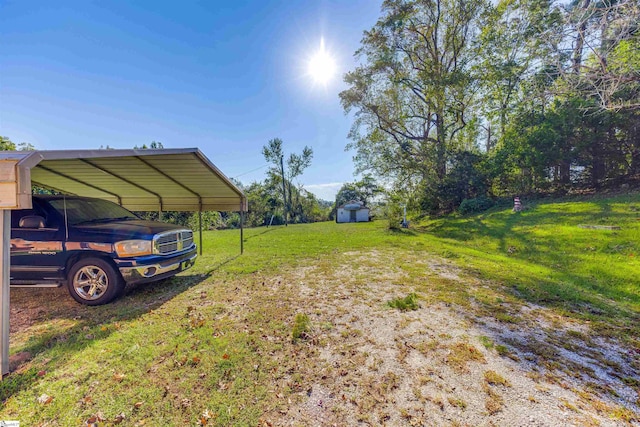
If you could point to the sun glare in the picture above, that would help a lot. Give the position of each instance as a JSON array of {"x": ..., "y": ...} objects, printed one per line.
[{"x": 322, "y": 66}]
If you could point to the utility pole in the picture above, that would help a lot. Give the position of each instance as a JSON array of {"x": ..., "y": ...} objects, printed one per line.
[{"x": 284, "y": 191}]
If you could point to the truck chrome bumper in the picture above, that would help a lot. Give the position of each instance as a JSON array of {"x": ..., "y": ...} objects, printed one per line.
[{"x": 151, "y": 272}]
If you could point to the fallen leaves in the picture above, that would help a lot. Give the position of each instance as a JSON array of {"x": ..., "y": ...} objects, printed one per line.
[
  {"x": 45, "y": 399},
  {"x": 205, "y": 417},
  {"x": 196, "y": 319},
  {"x": 94, "y": 420}
]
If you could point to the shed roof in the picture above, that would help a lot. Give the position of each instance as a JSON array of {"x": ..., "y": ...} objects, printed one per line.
[
  {"x": 353, "y": 205},
  {"x": 143, "y": 180}
]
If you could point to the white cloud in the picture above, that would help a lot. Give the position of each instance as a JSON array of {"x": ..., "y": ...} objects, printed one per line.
[{"x": 326, "y": 191}]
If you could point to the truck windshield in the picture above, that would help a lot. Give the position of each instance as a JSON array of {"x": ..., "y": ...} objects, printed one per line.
[{"x": 90, "y": 210}]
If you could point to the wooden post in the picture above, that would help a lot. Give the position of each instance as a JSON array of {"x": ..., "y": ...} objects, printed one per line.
[{"x": 5, "y": 248}]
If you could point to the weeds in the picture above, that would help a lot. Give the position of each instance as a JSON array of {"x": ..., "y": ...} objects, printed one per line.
[
  {"x": 458, "y": 403},
  {"x": 486, "y": 342},
  {"x": 502, "y": 350},
  {"x": 462, "y": 353},
  {"x": 410, "y": 302},
  {"x": 493, "y": 378},
  {"x": 494, "y": 404},
  {"x": 301, "y": 327}
]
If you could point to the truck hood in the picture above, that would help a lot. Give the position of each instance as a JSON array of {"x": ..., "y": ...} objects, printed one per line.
[{"x": 124, "y": 230}]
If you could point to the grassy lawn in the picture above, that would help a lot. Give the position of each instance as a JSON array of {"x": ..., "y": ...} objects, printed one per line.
[
  {"x": 238, "y": 340},
  {"x": 546, "y": 258}
]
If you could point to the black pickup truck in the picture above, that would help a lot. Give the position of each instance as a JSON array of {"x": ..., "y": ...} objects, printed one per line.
[{"x": 94, "y": 247}]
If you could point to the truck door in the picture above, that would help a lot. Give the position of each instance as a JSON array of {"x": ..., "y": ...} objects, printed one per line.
[{"x": 37, "y": 255}]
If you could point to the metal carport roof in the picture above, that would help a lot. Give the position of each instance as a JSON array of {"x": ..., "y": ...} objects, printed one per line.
[{"x": 180, "y": 179}]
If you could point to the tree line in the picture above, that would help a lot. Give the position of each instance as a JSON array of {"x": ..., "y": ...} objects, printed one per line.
[
  {"x": 468, "y": 100},
  {"x": 456, "y": 103}
]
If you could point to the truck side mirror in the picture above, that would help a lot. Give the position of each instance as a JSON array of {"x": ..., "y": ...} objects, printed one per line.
[{"x": 31, "y": 221}]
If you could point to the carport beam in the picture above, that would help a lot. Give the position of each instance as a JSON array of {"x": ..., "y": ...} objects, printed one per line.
[
  {"x": 128, "y": 181},
  {"x": 5, "y": 248},
  {"x": 82, "y": 182}
]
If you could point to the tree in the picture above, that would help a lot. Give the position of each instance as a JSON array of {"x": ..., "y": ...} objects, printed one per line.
[
  {"x": 154, "y": 145},
  {"x": 606, "y": 56},
  {"x": 513, "y": 40},
  {"x": 6, "y": 144},
  {"x": 295, "y": 165},
  {"x": 413, "y": 92},
  {"x": 347, "y": 192},
  {"x": 364, "y": 191},
  {"x": 264, "y": 199},
  {"x": 466, "y": 180}
]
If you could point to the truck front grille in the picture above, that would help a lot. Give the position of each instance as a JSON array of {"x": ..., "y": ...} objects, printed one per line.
[{"x": 172, "y": 242}]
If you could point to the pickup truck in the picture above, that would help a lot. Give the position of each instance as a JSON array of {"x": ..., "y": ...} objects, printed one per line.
[{"x": 93, "y": 247}]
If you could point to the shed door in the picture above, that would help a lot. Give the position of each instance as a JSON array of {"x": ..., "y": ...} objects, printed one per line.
[{"x": 352, "y": 216}]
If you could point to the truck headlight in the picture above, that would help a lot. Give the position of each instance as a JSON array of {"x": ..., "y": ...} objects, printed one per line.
[{"x": 129, "y": 248}]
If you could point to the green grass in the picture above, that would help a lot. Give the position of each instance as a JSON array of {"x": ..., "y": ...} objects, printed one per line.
[
  {"x": 215, "y": 340},
  {"x": 410, "y": 302},
  {"x": 546, "y": 258},
  {"x": 301, "y": 327}
]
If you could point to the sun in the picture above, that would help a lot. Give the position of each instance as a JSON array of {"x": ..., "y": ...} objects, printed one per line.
[{"x": 322, "y": 66}]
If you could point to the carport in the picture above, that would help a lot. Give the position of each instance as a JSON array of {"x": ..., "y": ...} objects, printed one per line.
[{"x": 140, "y": 180}]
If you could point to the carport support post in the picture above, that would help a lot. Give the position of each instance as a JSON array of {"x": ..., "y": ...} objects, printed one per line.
[
  {"x": 241, "y": 232},
  {"x": 5, "y": 248},
  {"x": 200, "y": 229}
]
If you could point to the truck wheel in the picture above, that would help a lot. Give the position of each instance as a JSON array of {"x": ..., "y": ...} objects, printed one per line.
[{"x": 93, "y": 281}]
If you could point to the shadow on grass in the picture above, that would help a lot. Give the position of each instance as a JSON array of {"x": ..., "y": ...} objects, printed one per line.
[
  {"x": 403, "y": 232},
  {"x": 502, "y": 223},
  {"x": 266, "y": 230},
  {"x": 543, "y": 278},
  {"x": 550, "y": 258},
  {"x": 90, "y": 324},
  {"x": 222, "y": 264}
]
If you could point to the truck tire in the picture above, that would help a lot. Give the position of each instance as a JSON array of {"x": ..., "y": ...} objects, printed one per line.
[{"x": 94, "y": 281}]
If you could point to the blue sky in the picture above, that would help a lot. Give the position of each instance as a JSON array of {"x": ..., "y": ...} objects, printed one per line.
[{"x": 222, "y": 76}]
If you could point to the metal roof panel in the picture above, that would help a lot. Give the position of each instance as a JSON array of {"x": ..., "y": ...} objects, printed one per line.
[{"x": 168, "y": 179}]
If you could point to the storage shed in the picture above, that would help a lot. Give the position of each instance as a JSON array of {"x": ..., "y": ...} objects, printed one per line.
[{"x": 352, "y": 211}]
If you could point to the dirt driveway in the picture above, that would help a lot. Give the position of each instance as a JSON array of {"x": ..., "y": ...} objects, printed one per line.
[
  {"x": 365, "y": 363},
  {"x": 32, "y": 306}
]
